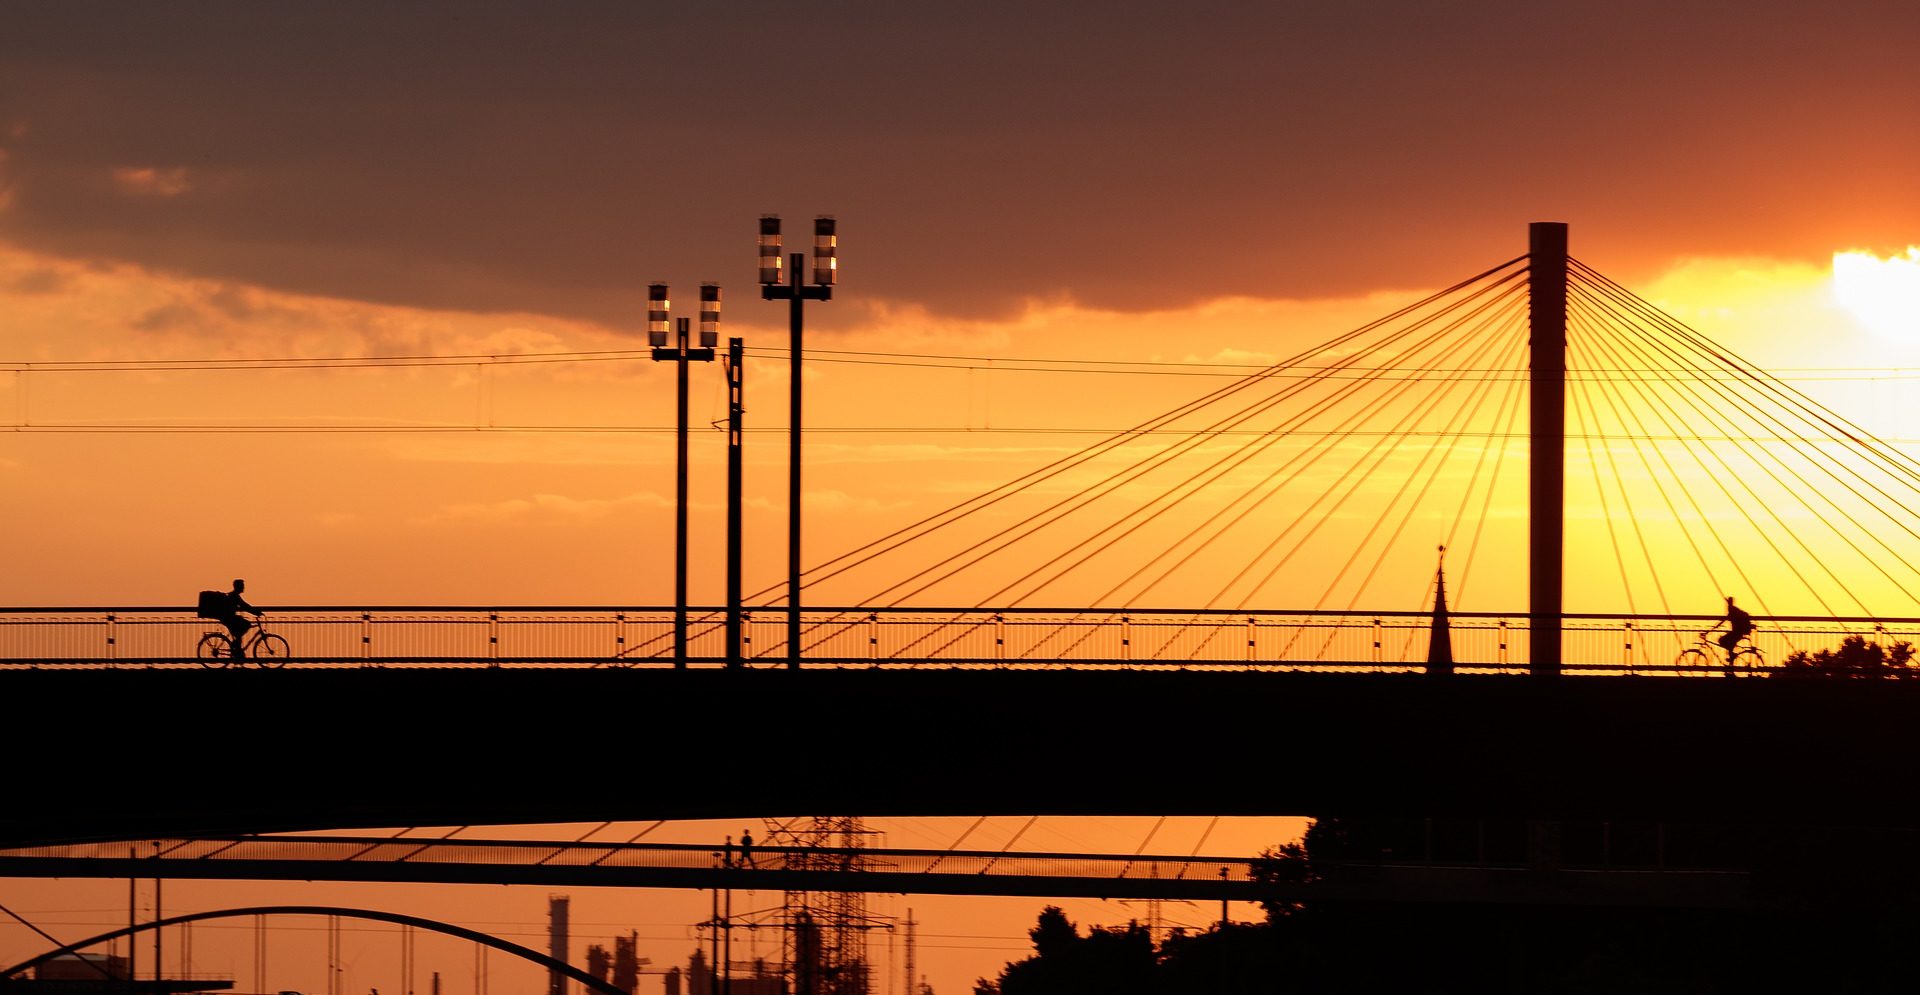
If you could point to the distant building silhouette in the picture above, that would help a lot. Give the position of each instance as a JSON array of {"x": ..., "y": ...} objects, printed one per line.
[
  {"x": 101, "y": 974},
  {"x": 758, "y": 978},
  {"x": 621, "y": 966},
  {"x": 557, "y": 941}
]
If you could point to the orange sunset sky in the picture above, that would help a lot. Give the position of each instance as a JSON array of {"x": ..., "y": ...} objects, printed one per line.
[{"x": 1054, "y": 221}]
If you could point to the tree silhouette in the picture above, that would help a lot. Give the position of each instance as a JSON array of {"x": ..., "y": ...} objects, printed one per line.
[
  {"x": 1117, "y": 960},
  {"x": 1857, "y": 658},
  {"x": 1833, "y": 910}
]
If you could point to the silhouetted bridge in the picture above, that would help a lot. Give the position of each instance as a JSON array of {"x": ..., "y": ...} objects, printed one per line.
[
  {"x": 1595, "y": 881},
  {"x": 1703, "y": 475},
  {"x": 139, "y": 752},
  {"x": 1019, "y": 638}
]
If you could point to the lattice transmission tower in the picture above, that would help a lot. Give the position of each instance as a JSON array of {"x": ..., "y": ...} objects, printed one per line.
[{"x": 826, "y": 931}]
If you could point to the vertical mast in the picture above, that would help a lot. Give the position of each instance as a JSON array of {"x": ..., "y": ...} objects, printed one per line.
[{"x": 1547, "y": 322}]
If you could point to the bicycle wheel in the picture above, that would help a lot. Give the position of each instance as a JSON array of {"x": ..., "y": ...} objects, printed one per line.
[
  {"x": 215, "y": 650},
  {"x": 270, "y": 651},
  {"x": 1695, "y": 660},
  {"x": 1752, "y": 660}
]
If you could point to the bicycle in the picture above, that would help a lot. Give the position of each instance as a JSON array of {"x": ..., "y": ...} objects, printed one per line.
[
  {"x": 1709, "y": 656},
  {"x": 262, "y": 647}
]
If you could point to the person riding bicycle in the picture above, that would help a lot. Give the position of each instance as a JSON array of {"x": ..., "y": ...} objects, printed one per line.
[
  {"x": 228, "y": 614},
  {"x": 1739, "y": 626}
]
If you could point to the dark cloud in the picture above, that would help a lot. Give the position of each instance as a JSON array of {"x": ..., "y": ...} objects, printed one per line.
[
  {"x": 168, "y": 317},
  {"x": 45, "y": 280},
  {"x": 557, "y": 157}
]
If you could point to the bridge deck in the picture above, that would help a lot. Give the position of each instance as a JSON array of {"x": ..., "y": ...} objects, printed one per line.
[
  {"x": 881, "y": 870},
  {"x": 137, "y": 752}
]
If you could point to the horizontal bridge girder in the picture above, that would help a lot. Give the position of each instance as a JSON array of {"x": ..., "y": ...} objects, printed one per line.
[
  {"x": 744, "y": 879},
  {"x": 1355, "y": 881},
  {"x": 222, "y": 752}
]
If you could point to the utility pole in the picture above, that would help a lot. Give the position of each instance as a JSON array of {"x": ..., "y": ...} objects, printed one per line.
[
  {"x": 826, "y": 270},
  {"x": 1547, "y": 322}
]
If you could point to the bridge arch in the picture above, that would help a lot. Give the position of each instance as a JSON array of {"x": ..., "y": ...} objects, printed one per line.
[{"x": 505, "y": 946}]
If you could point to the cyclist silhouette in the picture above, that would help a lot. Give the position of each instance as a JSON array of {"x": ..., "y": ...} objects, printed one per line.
[
  {"x": 1739, "y": 626},
  {"x": 229, "y": 614}
]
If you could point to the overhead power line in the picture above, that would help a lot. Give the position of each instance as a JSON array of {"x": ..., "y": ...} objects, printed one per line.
[{"x": 932, "y": 361}]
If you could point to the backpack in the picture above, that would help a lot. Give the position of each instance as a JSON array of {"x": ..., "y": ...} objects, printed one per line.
[{"x": 214, "y": 604}]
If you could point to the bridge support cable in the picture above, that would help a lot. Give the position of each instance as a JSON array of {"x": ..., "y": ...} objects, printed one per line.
[
  {"x": 1810, "y": 449},
  {"x": 1783, "y": 432},
  {"x": 1713, "y": 370},
  {"x": 1507, "y": 431},
  {"x": 1625, "y": 351},
  {"x": 1655, "y": 401},
  {"x": 1257, "y": 495},
  {"x": 1625, "y": 413},
  {"x": 1263, "y": 489},
  {"x": 1385, "y": 446},
  {"x": 1359, "y": 352},
  {"x": 1346, "y": 486},
  {"x": 1587, "y": 427},
  {"x": 1454, "y": 430},
  {"x": 1494, "y": 439},
  {"x": 976, "y": 503},
  {"x": 1331, "y": 441},
  {"x": 1077, "y": 502},
  {"x": 1384, "y": 449},
  {"x": 1806, "y": 408},
  {"x": 1652, "y": 395},
  {"x": 1444, "y": 338},
  {"x": 955, "y": 845}
]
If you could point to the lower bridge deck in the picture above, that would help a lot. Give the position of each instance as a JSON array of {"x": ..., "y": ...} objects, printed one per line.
[{"x": 879, "y": 870}]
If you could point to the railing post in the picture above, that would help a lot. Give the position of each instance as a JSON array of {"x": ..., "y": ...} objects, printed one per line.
[
  {"x": 1126, "y": 638},
  {"x": 493, "y": 639},
  {"x": 746, "y": 637},
  {"x": 999, "y": 638},
  {"x": 1628, "y": 649},
  {"x": 1377, "y": 629},
  {"x": 620, "y": 639},
  {"x": 113, "y": 635},
  {"x": 366, "y": 635},
  {"x": 1503, "y": 642},
  {"x": 1252, "y": 633},
  {"x": 873, "y": 638}
]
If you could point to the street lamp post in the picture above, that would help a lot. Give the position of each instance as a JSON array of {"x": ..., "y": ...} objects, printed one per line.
[
  {"x": 681, "y": 354},
  {"x": 826, "y": 271}
]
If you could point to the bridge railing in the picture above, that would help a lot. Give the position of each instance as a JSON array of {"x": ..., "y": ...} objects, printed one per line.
[
  {"x": 893, "y": 638},
  {"x": 174, "y": 852}
]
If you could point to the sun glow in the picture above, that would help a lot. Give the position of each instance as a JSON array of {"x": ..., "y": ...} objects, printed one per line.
[{"x": 1883, "y": 294}]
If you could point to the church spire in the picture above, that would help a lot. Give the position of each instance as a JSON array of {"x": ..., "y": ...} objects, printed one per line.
[{"x": 1439, "y": 637}]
